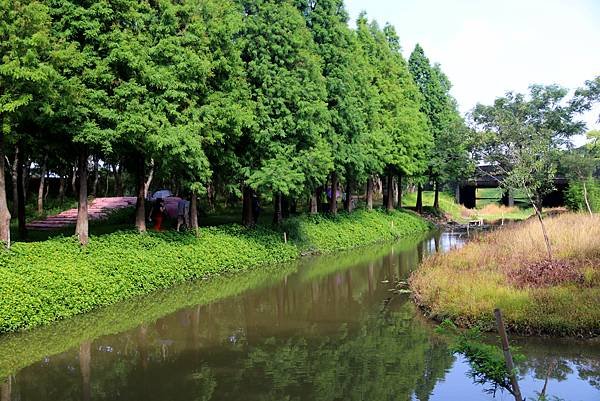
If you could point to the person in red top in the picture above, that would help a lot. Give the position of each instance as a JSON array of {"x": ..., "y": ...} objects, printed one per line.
[{"x": 157, "y": 214}]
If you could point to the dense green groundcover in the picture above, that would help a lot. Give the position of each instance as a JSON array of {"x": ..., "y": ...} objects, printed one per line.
[{"x": 51, "y": 280}]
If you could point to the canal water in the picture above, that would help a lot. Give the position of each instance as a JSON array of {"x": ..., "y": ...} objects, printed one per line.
[{"x": 323, "y": 328}]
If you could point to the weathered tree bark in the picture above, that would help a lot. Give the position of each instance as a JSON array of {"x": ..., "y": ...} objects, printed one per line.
[
  {"x": 4, "y": 212},
  {"x": 389, "y": 198},
  {"x": 419, "y": 205},
  {"x": 333, "y": 199},
  {"x": 40, "y": 200},
  {"x": 61, "y": 189},
  {"x": 370, "y": 193},
  {"x": 15, "y": 181},
  {"x": 194, "y": 213},
  {"x": 395, "y": 191},
  {"x": 85, "y": 359},
  {"x": 118, "y": 174},
  {"x": 348, "y": 201},
  {"x": 149, "y": 179},
  {"x": 247, "y": 212},
  {"x": 21, "y": 201},
  {"x": 140, "y": 204},
  {"x": 436, "y": 196},
  {"x": 82, "y": 227},
  {"x": 96, "y": 176},
  {"x": 277, "y": 209}
]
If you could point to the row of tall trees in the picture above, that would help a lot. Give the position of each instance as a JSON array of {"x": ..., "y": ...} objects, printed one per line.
[{"x": 277, "y": 97}]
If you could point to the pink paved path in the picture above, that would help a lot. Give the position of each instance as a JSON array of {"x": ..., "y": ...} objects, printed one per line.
[{"x": 97, "y": 209}]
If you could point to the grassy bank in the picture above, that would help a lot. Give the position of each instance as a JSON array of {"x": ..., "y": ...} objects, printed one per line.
[
  {"x": 51, "y": 280},
  {"x": 508, "y": 269}
]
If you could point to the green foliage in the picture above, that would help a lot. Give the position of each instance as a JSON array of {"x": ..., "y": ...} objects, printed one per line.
[
  {"x": 574, "y": 199},
  {"x": 47, "y": 281},
  {"x": 284, "y": 144},
  {"x": 344, "y": 231},
  {"x": 523, "y": 135},
  {"x": 399, "y": 121}
]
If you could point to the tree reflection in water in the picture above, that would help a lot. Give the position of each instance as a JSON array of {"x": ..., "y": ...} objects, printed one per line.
[{"x": 329, "y": 331}]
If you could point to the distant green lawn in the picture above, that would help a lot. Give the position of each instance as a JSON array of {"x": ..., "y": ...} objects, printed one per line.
[{"x": 487, "y": 209}]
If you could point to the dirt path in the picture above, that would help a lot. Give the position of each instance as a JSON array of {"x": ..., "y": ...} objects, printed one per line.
[{"x": 98, "y": 209}]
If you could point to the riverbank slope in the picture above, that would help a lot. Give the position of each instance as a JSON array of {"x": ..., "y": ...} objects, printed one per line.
[
  {"x": 46, "y": 281},
  {"x": 509, "y": 269}
]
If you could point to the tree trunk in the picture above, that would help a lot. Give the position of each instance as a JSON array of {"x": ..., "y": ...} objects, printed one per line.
[
  {"x": 74, "y": 180},
  {"x": 15, "y": 181},
  {"x": 118, "y": 173},
  {"x": 96, "y": 177},
  {"x": 82, "y": 227},
  {"x": 4, "y": 212},
  {"x": 277, "y": 209},
  {"x": 333, "y": 199},
  {"x": 293, "y": 206},
  {"x": 247, "y": 212},
  {"x": 61, "y": 189},
  {"x": 585, "y": 197},
  {"x": 149, "y": 180},
  {"x": 47, "y": 186},
  {"x": 370, "y": 193},
  {"x": 395, "y": 191},
  {"x": 26, "y": 178},
  {"x": 319, "y": 195},
  {"x": 40, "y": 200},
  {"x": 419, "y": 205},
  {"x": 313, "y": 208},
  {"x": 194, "y": 213},
  {"x": 536, "y": 203},
  {"x": 399, "y": 191},
  {"x": 285, "y": 207},
  {"x": 6, "y": 389},
  {"x": 389, "y": 198},
  {"x": 21, "y": 202},
  {"x": 140, "y": 204},
  {"x": 106, "y": 187},
  {"x": 436, "y": 196},
  {"x": 348, "y": 201}
]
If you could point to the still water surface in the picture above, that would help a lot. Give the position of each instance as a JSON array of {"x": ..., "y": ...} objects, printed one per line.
[{"x": 323, "y": 328}]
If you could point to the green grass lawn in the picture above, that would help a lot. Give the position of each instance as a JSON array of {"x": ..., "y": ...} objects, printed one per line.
[{"x": 490, "y": 211}]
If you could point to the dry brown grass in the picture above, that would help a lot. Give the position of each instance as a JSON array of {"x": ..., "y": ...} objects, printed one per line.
[{"x": 467, "y": 284}]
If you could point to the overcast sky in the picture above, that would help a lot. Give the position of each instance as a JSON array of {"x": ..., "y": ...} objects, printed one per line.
[{"x": 489, "y": 47}]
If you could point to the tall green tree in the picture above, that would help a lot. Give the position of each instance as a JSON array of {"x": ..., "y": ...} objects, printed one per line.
[
  {"x": 448, "y": 158},
  {"x": 349, "y": 94},
  {"x": 398, "y": 118},
  {"x": 284, "y": 147},
  {"x": 26, "y": 74}
]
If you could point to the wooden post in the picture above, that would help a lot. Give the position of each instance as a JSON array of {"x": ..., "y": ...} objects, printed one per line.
[
  {"x": 507, "y": 355},
  {"x": 284, "y": 237}
]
